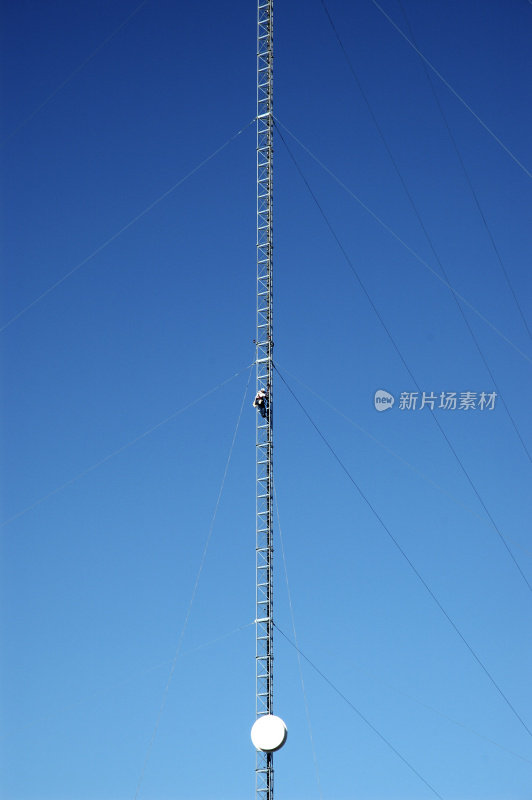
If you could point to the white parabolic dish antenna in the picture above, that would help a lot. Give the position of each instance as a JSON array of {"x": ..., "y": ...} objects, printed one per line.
[{"x": 268, "y": 733}]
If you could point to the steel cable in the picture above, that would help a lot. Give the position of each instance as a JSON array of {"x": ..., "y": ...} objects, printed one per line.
[
  {"x": 121, "y": 449},
  {"x": 407, "y": 559},
  {"x": 403, "y": 243},
  {"x": 192, "y": 597},
  {"x": 451, "y": 89},
  {"x": 125, "y": 227},
  {"x": 430, "y": 242},
  {"x": 74, "y": 73},
  {"x": 411, "y": 374},
  {"x": 361, "y": 715},
  {"x": 469, "y": 182},
  {"x": 292, "y": 619},
  {"x": 396, "y": 455}
]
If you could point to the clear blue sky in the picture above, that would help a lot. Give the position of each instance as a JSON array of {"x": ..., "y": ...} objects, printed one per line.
[{"x": 103, "y": 532}]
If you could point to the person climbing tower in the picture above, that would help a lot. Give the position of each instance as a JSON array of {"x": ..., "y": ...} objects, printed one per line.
[{"x": 261, "y": 402}]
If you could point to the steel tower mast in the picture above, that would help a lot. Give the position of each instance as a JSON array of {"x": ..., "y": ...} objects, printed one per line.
[{"x": 264, "y": 353}]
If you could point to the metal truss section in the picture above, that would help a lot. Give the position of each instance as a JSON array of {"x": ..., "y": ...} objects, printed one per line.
[{"x": 264, "y": 353}]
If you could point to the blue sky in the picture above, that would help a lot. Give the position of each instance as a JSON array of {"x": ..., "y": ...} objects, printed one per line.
[{"x": 125, "y": 303}]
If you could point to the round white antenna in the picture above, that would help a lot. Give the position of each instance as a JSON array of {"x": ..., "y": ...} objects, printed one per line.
[{"x": 268, "y": 733}]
